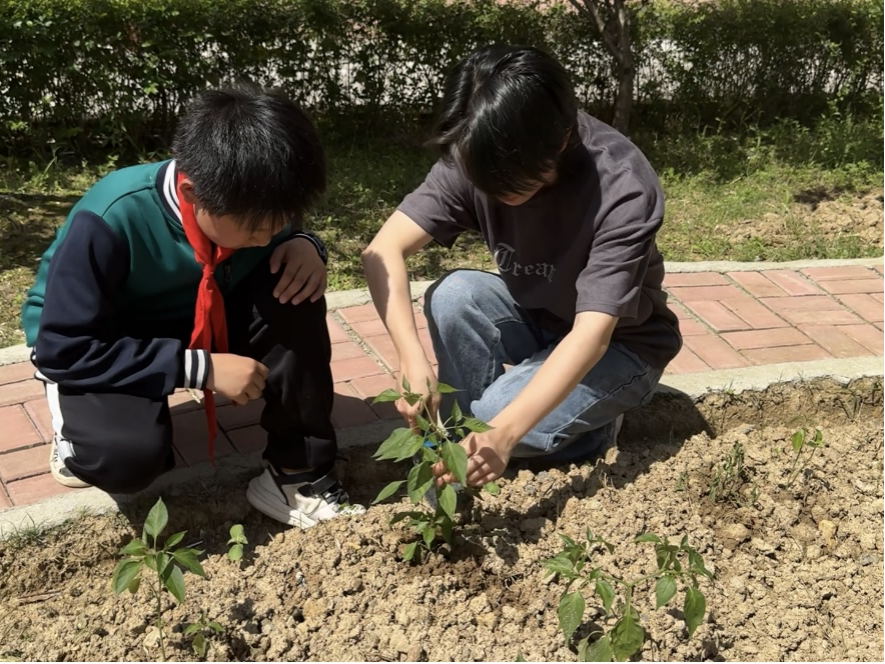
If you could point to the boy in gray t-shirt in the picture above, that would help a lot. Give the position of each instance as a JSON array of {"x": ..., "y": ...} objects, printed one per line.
[{"x": 569, "y": 208}]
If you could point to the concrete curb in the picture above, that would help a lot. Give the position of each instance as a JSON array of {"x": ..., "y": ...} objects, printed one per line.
[
  {"x": 359, "y": 296},
  {"x": 236, "y": 468}
]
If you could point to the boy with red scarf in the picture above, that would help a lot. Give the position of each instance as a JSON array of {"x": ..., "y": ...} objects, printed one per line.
[{"x": 194, "y": 273}]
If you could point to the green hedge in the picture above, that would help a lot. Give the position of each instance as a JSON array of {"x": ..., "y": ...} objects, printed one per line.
[{"x": 119, "y": 71}]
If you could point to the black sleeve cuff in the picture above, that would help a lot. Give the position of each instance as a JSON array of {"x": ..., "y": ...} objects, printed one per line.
[{"x": 196, "y": 369}]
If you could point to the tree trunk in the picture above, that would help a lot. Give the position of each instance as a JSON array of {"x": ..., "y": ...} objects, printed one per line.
[
  {"x": 611, "y": 19},
  {"x": 624, "y": 100},
  {"x": 626, "y": 70}
]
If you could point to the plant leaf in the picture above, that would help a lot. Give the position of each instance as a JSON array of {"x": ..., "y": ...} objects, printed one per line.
[
  {"x": 163, "y": 563},
  {"x": 694, "y": 609},
  {"x": 446, "y": 526},
  {"x": 457, "y": 415},
  {"x": 626, "y": 637},
  {"x": 174, "y": 582},
  {"x": 420, "y": 480},
  {"x": 429, "y": 535},
  {"x": 599, "y": 651},
  {"x": 442, "y": 388},
  {"x": 235, "y": 553},
  {"x": 606, "y": 594},
  {"x": 124, "y": 574},
  {"x": 519, "y": 657},
  {"x": 172, "y": 540},
  {"x": 193, "y": 628},
  {"x": 409, "y": 553},
  {"x": 798, "y": 440},
  {"x": 492, "y": 488},
  {"x": 133, "y": 587},
  {"x": 157, "y": 519},
  {"x": 391, "y": 448},
  {"x": 387, "y": 396},
  {"x": 475, "y": 425},
  {"x": 448, "y": 500},
  {"x": 648, "y": 537},
  {"x": 215, "y": 626},
  {"x": 571, "y": 613},
  {"x": 455, "y": 458},
  {"x": 199, "y": 645},
  {"x": 560, "y": 565},
  {"x": 188, "y": 558},
  {"x": 665, "y": 589},
  {"x": 388, "y": 491},
  {"x": 237, "y": 534},
  {"x": 134, "y": 548},
  {"x": 400, "y": 516}
]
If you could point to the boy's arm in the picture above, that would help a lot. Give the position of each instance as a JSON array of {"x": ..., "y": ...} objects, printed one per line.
[
  {"x": 439, "y": 209},
  {"x": 77, "y": 344},
  {"x": 384, "y": 262}
]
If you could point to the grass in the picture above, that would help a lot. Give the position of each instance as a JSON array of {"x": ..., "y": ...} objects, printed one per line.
[{"x": 742, "y": 197}]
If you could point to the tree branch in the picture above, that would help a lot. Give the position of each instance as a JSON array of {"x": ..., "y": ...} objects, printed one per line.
[{"x": 589, "y": 7}]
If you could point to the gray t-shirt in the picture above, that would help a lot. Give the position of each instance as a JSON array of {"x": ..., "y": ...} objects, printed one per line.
[{"x": 586, "y": 243}]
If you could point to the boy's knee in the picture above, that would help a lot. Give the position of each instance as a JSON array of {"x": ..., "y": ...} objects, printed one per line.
[
  {"x": 124, "y": 466},
  {"x": 453, "y": 294}
]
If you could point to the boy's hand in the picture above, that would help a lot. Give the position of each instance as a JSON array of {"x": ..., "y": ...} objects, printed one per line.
[
  {"x": 488, "y": 454},
  {"x": 240, "y": 379},
  {"x": 304, "y": 276},
  {"x": 418, "y": 373}
]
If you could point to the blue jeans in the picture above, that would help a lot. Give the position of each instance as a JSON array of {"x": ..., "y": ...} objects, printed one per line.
[{"x": 477, "y": 328}]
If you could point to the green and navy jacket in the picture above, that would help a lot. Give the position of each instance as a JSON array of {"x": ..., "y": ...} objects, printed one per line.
[{"x": 119, "y": 272}]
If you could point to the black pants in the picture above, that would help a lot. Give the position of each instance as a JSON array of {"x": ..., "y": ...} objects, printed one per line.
[{"x": 121, "y": 443}]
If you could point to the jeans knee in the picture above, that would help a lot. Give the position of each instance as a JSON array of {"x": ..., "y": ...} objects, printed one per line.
[
  {"x": 486, "y": 409},
  {"x": 452, "y": 297}
]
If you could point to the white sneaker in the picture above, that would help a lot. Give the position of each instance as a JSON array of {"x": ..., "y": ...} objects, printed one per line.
[
  {"x": 297, "y": 502},
  {"x": 60, "y": 471}
]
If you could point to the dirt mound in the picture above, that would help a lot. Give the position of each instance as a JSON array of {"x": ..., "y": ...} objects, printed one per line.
[{"x": 819, "y": 213}]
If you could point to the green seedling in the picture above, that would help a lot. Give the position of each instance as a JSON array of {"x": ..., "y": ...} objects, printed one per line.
[
  {"x": 675, "y": 563},
  {"x": 730, "y": 479},
  {"x": 237, "y": 541},
  {"x": 160, "y": 567},
  {"x": 202, "y": 631},
  {"x": 802, "y": 442},
  {"x": 432, "y": 443}
]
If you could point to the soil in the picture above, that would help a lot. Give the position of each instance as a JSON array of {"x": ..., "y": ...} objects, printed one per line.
[{"x": 799, "y": 570}]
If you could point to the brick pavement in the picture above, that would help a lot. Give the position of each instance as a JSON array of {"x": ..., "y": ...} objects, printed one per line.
[{"x": 730, "y": 320}]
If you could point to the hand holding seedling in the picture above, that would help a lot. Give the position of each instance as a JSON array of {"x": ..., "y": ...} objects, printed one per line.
[
  {"x": 488, "y": 453},
  {"x": 418, "y": 372}
]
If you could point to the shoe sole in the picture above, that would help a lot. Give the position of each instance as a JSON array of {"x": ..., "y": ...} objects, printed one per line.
[{"x": 69, "y": 481}]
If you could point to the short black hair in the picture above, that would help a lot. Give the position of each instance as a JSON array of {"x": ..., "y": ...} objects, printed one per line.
[
  {"x": 507, "y": 111},
  {"x": 251, "y": 153}
]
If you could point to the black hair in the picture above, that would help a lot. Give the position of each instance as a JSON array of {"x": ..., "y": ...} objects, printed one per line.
[
  {"x": 251, "y": 153},
  {"x": 507, "y": 113}
]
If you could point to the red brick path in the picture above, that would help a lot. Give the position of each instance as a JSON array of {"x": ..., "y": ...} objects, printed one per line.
[{"x": 729, "y": 320}]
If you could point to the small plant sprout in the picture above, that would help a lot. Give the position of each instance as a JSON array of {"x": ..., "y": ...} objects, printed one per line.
[
  {"x": 202, "y": 631},
  {"x": 730, "y": 479},
  {"x": 432, "y": 443},
  {"x": 574, "y": 564},
  {"x": 163, "y": 564},
  {"x": 237, "y": 541},
  {"x": 802, "y": 441}
]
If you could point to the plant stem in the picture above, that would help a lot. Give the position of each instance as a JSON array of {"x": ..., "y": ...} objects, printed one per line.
[{"x": 160, "y": 616}]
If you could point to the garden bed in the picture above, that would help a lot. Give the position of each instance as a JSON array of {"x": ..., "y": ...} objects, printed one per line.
[{"x": 799, "y": 569}]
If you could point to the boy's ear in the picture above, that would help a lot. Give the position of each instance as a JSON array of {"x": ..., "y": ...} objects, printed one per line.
[{"x": 187, "y": 192}]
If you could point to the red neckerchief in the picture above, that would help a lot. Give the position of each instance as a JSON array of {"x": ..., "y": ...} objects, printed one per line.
[{"x": 210, "y": 325}]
